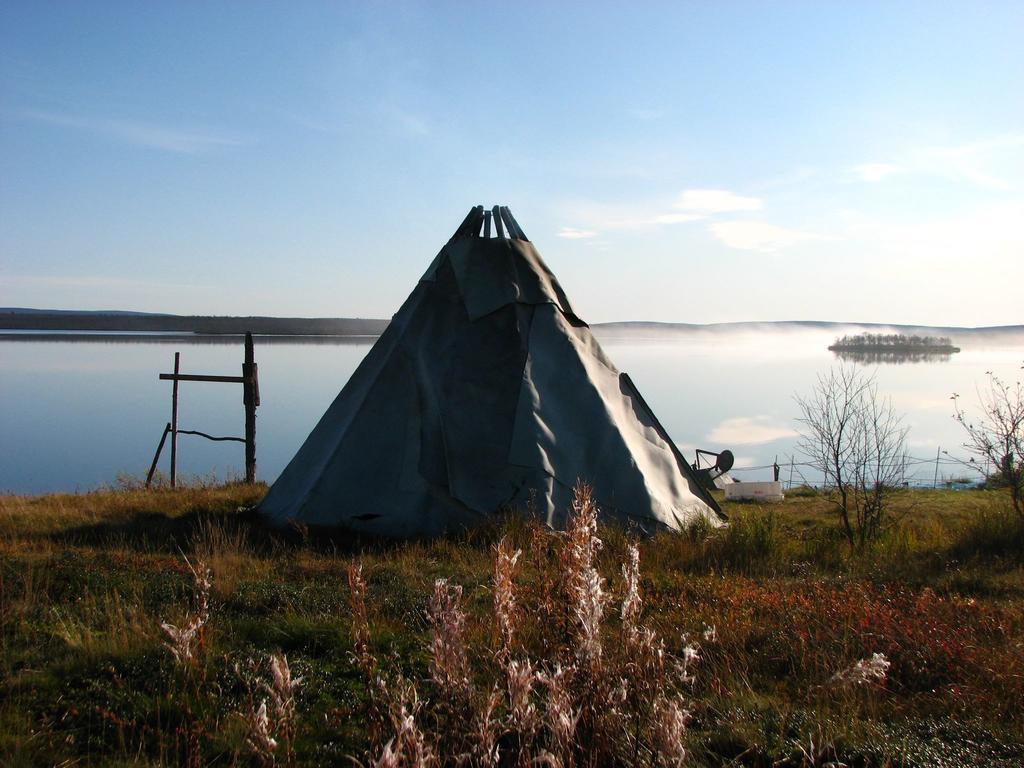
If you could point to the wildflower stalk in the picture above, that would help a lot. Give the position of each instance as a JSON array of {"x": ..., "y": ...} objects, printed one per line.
[
  {"x": 185, "y": 643},
  {"x": 282, "y": 695},
  {"x": 360, "y": 622},
  {"x": 504, "y": 595},
  {"x": 362, "y": 653},
  {"x": 873, "y": 670},
  {"x": 449, "y": 665}
]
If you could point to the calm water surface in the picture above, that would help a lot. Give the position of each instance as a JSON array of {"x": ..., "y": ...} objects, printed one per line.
[{"x": 75, "y": 414}]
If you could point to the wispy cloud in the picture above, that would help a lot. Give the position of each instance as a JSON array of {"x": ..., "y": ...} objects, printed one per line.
[
  {"x": 571, "y": 233},
  {"x": 758, "y": 235},
  {"x": 749, "y": 430},
  {"x": 708, "y": 201},
  {"x": 689, "y": 205},
  {"x": 990, "y": 232},
  {"x": 872, "y": 172},
  {"x": 970, "y": 162},
  {"x": 716, "y": 207},
  {"x": 596, "y": 217},
  {"x": 187, "y": 142},
  {"x": 675, "y": 218}
]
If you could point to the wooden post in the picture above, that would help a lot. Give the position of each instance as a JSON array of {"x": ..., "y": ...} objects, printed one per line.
[
  {"x": 174, "y": 421},
  {"x": 250, "y": 398},
  {"x": 935, "y": 480},
  {"x": 156, "y": 456}
]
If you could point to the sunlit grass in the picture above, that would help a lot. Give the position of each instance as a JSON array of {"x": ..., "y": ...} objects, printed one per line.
[{"x": 85, "y": 581}]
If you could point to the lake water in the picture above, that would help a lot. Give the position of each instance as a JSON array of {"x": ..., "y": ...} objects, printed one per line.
[{"x": 75, "y": 413}]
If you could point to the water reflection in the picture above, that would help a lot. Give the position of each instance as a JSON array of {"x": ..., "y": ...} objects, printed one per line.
[
  {"x": 887, "y": 357},
  {"x": 75, "y": 410}
]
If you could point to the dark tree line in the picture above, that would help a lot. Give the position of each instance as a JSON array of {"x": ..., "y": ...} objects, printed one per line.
[{"x": 884, "y": 341}]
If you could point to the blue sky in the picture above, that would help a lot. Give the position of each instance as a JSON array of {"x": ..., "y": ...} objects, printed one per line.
[{"x": 690, "y": 162}]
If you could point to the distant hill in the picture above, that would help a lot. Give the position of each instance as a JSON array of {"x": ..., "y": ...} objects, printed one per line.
[
  {"x": 823, "y": 325},
  {"x": 17, "y": 318},
  {"x": 63, "y": 320},
  {"x": 28, "y": 311}
]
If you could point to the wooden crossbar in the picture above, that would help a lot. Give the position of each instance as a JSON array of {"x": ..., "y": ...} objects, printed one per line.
[
  {"x": 201, "y": 377},
  {"x": 250, "y": 399}
]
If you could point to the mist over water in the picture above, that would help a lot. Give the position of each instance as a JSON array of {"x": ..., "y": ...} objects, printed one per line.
[{"x": 76, "y": 413}]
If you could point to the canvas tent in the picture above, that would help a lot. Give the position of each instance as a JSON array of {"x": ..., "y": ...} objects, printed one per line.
[{"x": 486, "y": 392}]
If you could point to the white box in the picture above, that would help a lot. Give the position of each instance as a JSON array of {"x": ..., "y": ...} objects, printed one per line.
[{"x": 767, "y": 491}]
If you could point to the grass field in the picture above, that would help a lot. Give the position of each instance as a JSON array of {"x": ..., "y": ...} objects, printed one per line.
[{"x": 88, "y": 679}]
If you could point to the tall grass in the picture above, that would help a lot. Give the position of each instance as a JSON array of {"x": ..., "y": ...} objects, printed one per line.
[{"x": 513, "y": 645}]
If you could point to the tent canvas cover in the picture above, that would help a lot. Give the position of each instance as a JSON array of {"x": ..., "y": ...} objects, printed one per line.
[{"x": 485, "y": 393}]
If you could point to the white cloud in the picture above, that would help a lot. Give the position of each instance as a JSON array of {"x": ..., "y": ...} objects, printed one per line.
[
  {"x": 690, "y": 205},
  {"x": 758, "y": 235},
  {"x": 972, "y": 162},
  {"x": 875, "y": 171},
  {"x": 749, "y": 430},
  {"x": 978, "y": 239},
  {"x": 741, "y": 462},
  {"x": 141, "y": 133},
  {"x": 709, "y": 201},
  {"x": 968, "y": 161},
  {"x": 571, "y": 233},
  {"x": 676, "y": 218},
  {"x": 594, "y": 217}
]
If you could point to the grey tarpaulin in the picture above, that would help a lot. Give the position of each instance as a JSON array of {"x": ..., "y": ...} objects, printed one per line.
[{"x": 486, "y": 392}]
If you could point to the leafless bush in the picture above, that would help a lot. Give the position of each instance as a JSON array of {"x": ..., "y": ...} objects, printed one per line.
[
  {"x": 998, "y": 435},
  {"x": 856, "y": 440}
]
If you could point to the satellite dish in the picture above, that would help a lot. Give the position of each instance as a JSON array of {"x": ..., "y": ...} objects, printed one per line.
[
  {"x": 707, "y": 475},
  {"x": 724, "y": 461}
]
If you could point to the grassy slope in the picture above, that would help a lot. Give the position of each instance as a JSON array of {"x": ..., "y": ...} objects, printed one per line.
[{"x": 85, "y": 580}]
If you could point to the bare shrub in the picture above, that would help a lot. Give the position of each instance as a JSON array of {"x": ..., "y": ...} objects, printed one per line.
[
  {"x": 998, "y": 435},
  {"x": 856, "y": 440}
]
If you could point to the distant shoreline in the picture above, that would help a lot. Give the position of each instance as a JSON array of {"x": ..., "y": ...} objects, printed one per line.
[
  {"x": 209, "y": 325},
  {"x": 162, "y": 327}
]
